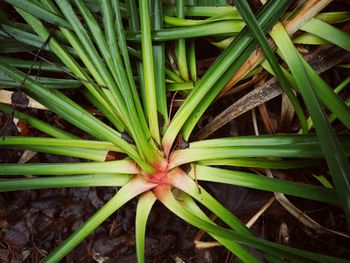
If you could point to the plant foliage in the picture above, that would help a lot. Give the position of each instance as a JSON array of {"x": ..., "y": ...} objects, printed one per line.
[{"x": 131, "y": 61}]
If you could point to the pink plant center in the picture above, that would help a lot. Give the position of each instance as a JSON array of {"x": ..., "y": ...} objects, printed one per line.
[{"x": 160, "y": 176}]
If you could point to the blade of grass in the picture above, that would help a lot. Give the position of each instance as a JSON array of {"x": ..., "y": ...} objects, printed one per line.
[
  {"x": 93, "y": 180},
  {"x": 179, "y": 179},
  {"x": 309, "y": 39},
  {"x": 134, "y": 23},
  {"x": 176, "y": 21},
  {"x": 120, "y": 167},
  {"x": 128, "y": 68},
  {"x": 253, "y": 25},
  {"x": 204, "y": 173},
  {"x": 88, "y": 154},
  {"x": 26, "y": 64},
  {"x": 111, "y": 115},
  {"x": 325, "y": 93},
  {"x": 223, "y": 62},
  {"x": 192, "y": 62},
  {"x": 159, "y": 61},
  {"x": 334, "y": 17},
  {"x": 180, "y": 157},
  {"x": 166, "y": 197},
  {"x": 265, "y": 140},
  {"x": 262, "y": 163},
  {"x": 39, "y": 11},
  {"x": 8, "y": 46},
  {"x": 144, "y": 206},
  {"x": 29, "y": 38},
  {"x": 148, "y": 71},
  {"x": 118, "y": 72},
  {"x": 180, "y": 86},
  {"x": 180, "y": 46},
  {"x": 332, "y": 149},
  {"x": 74, "y": 113},
  {"x": 328, "y": 32},
  {"x": 327, "y": 96},
  {"x": 198, "y": 10},
  {"x": 66, "y": 58},
  {"x": 134, "y": 187},
  {"x": 62, "y": 141},
  {"x": 50, "y": 83},
  {"x": 188, "y": 203},
  {"x": 222, "y": 28},
  {"x": 38, "y": 124},
  {"x": 333, "y": 117}
]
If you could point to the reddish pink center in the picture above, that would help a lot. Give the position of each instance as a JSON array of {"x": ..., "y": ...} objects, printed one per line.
[{"x": 158, "y": 177}]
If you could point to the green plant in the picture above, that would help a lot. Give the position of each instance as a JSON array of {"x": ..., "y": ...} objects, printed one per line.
[{"x": 138, "y": 119}]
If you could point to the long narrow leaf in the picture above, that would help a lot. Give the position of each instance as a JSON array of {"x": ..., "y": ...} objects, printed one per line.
[
  {"x": 332, "y": 149},
  {"x": 253, "y": 25},
  {"x": 149, "y": 82},
  {"x": 120, "y": 167},
  {"x": 94, "y": 180},
  {"x": 143, "y": 209},
  {"x": 134, "y": 187}
]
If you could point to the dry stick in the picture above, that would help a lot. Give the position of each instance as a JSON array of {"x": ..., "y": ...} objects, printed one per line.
[
  {"x": 265, "y": 116},
  {"x": 301, "y": 216},
  {"x": 251, "y": 222},
  {"x": 255, "y": 123},
  {"x": 204, "y": 245},
  {"x": 255, "y": 79},
  {"x": 321, "y": 60},
  {"x": 264, "y": 113},
  {"x": 287, "y": 114},
  {"x": 171, "y": 107},
  {"x": 298, "y": 214},
  {"x": 5, "y": 97}
]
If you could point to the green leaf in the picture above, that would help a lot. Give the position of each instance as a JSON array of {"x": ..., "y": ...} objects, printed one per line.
[
  {"x": 166, "y": 197},
  {"x": 72, "y": 112},
  {"x": 222, "y": 28},
  {"x": 180, "y": 46},
  {"x": 188, "y": 203},
  {"x": 38, "y": 124},
  {"x": 143, "y": 210},
  {"x": 331, "y": 147},
  {"x": 159, "y": 61},
  {"x": 222, "y": 63},
  {"x": 39, "y": 11},
  {"x": 94, "y": 180},
  {"x": 204, "y": 173},
  {"x": 262, "y": 163},
  {"x": 119, "y": 167},
  {"x": 253, "y": 25},
  {"x": 148, "y": 71},
  {"x": 134, "y": 187},
  {"x": 328, "y": 32}
]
